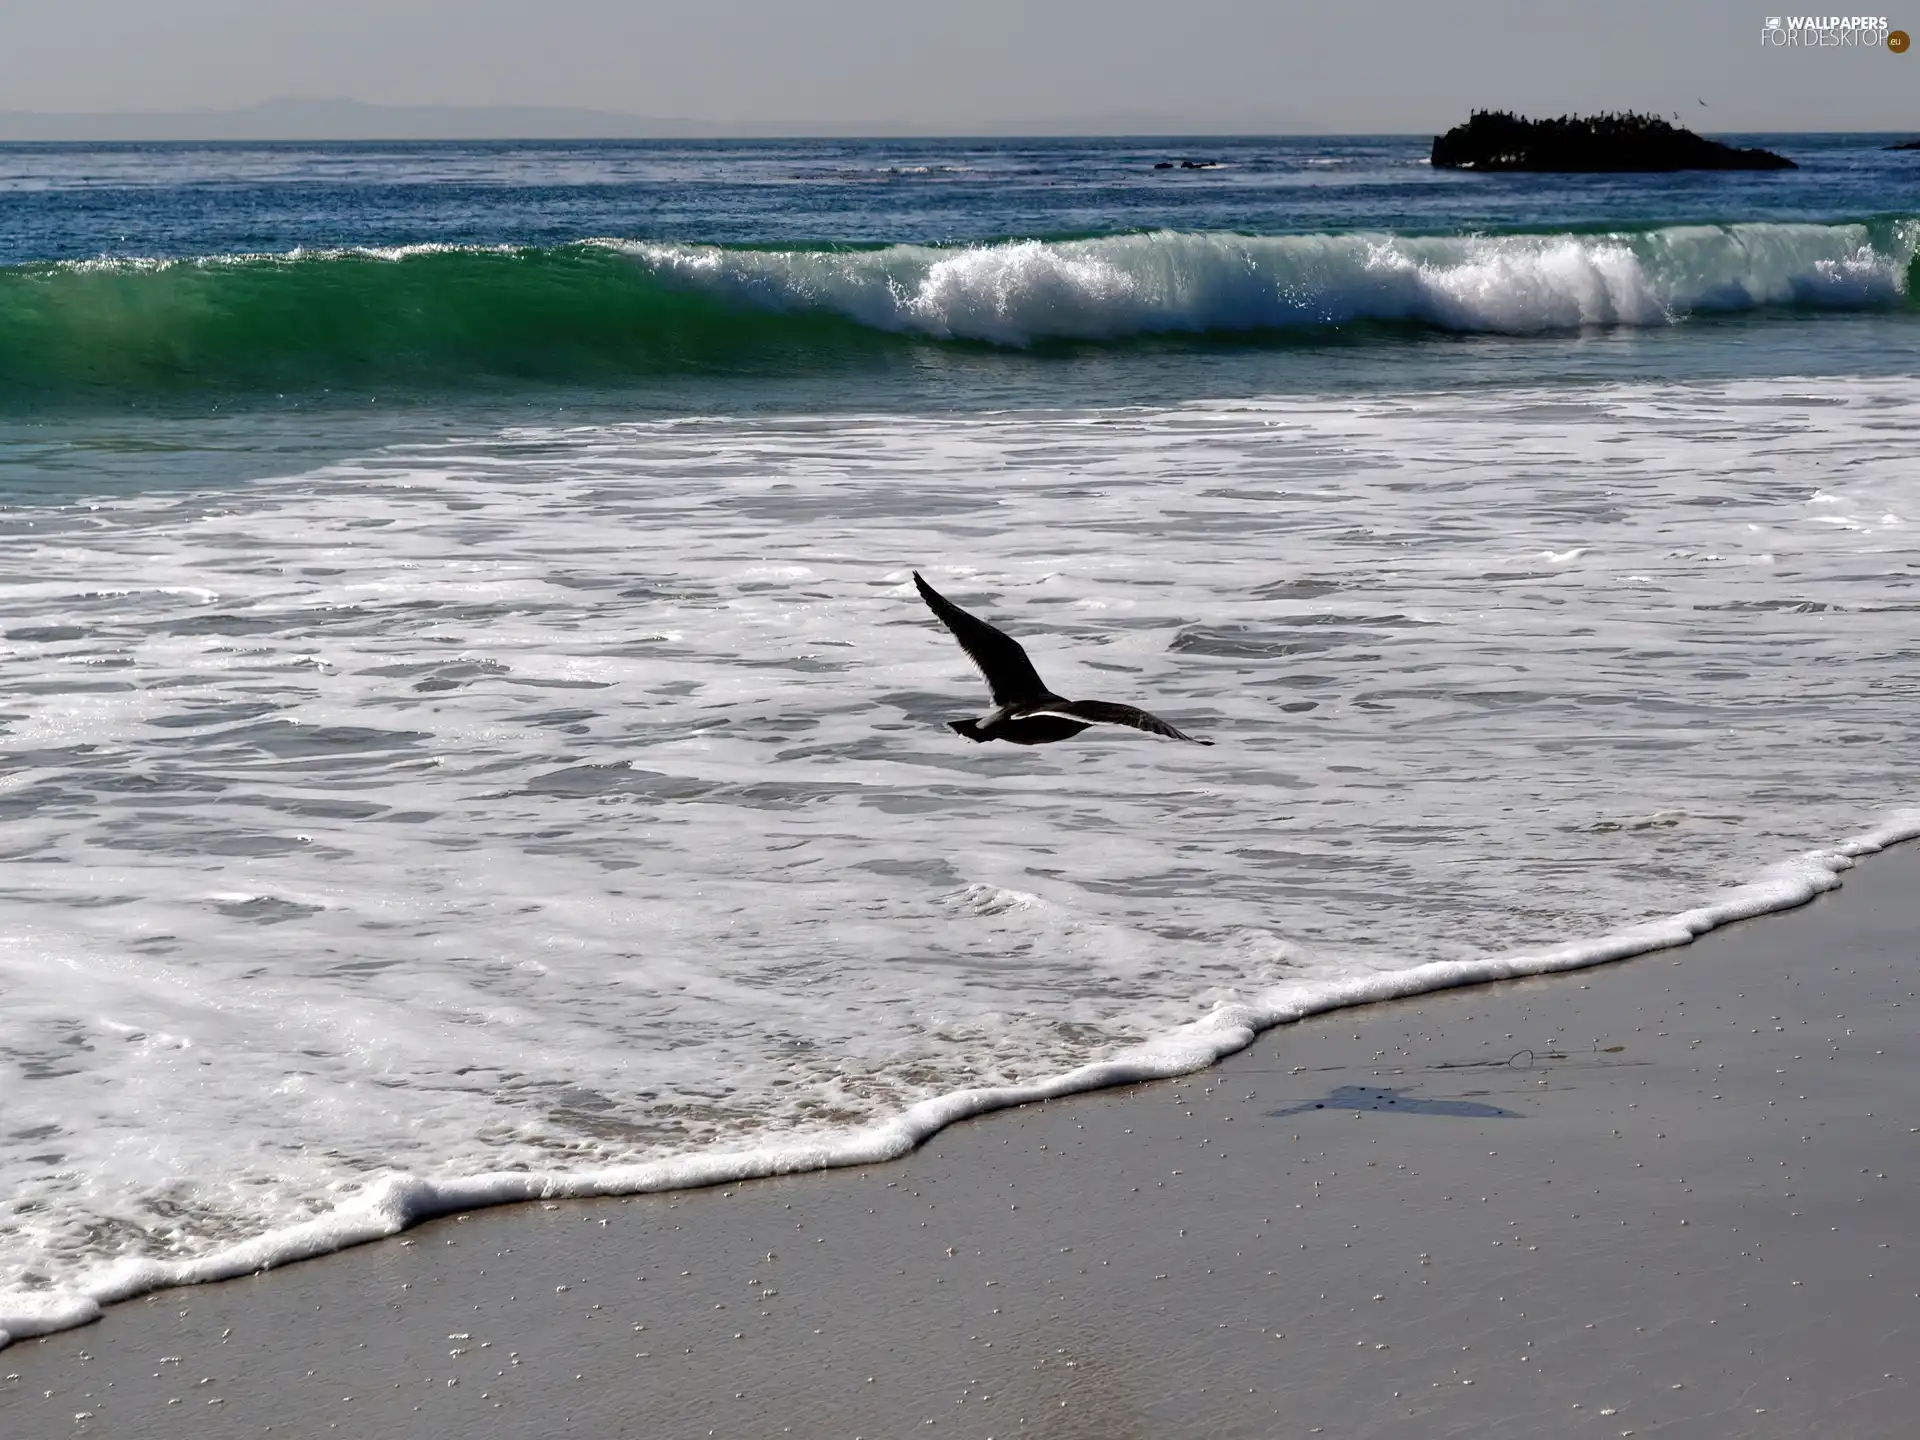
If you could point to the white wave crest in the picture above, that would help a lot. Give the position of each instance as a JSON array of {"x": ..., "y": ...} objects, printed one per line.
[{"x": 1172, "y": 283}]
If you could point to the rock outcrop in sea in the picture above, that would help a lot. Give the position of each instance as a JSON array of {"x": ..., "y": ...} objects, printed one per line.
[{"x": 1498, "y": 140}]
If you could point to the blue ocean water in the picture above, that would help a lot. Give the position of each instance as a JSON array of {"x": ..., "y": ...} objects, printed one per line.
[
  {"x": 84, "y": 202},
  {"x": 467, "y": 730},
  {"x": 917, "y": 271}
]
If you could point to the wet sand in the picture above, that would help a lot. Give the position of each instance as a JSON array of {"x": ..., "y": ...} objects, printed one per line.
[{"x": 1671, "y": 1197}]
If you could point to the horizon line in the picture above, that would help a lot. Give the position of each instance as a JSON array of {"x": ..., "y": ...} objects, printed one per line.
[
  {"x": 279, "y": 121},
  {"x": 771, "y": 134}
]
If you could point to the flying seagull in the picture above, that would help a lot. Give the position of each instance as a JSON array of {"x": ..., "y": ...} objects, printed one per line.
[{"x": 1026, "y": 712}]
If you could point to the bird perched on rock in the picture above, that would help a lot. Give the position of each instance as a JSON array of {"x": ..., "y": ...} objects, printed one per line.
[{"x": 1025, "y": 711}]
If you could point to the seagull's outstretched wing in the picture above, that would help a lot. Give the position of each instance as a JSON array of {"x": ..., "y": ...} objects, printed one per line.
[
  {"x": 1010, "y": 675},
  {"x": 1106, "y": 712}
]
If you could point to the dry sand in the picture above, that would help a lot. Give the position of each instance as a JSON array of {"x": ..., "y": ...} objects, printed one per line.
[{"x": 1672, "y": 1197}]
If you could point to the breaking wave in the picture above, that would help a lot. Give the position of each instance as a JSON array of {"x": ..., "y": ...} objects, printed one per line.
[{"x": 437, "y": 318}]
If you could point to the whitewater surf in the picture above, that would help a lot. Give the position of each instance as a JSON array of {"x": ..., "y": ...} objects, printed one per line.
[{"x": 437, "y": 317}]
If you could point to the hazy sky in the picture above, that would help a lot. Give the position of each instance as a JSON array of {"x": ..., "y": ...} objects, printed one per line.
[{"x": 962, "y": 65}]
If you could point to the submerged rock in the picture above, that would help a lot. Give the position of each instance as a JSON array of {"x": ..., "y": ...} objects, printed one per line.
[{"x": 1497, "y": 140}]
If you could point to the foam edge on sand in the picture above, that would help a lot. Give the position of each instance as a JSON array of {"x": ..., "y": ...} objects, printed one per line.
[{"x": 398, "y": 1202}]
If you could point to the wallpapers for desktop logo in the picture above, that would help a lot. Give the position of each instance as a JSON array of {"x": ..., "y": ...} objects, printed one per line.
[{"x": 1826, "y": 32}]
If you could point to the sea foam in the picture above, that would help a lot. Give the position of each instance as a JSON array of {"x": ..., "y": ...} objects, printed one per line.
[
  {"x": 1165, "y": 283},
  {"x": 570, "y": 809},
  {"x": 396, "y": 1202}
]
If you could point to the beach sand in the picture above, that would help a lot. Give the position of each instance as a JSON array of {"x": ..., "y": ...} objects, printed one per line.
[{"x": 1670, "y": 1197}]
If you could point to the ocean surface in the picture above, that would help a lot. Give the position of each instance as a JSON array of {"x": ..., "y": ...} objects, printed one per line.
[{"x": 467, "y": 731}]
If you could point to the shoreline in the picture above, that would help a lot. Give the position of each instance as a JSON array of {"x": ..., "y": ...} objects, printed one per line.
[
  {"x": 396, "y": 1204},
  {"x": 1683, "y": 1212}
]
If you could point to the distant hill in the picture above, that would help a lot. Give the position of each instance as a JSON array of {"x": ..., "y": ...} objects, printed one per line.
[
  {"x": 342, "y": 120},
  {"x": 1497, "y": 140},
  {"x": 315, "y": 120}
]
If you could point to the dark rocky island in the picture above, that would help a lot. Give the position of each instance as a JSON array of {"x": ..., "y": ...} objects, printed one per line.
[
  {"x": 1906, "y": 145},
  {"x": 1598, "y": 144}
]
